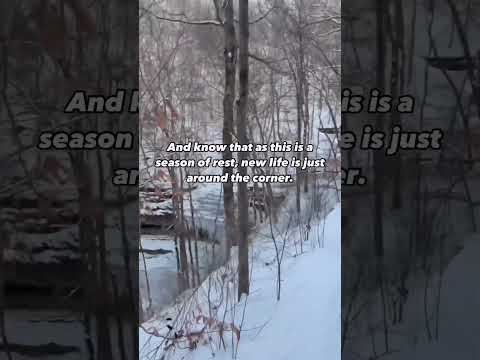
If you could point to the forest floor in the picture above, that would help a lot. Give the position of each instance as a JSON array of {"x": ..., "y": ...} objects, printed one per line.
[
  {"x": 209, "y": 323},
  {"x": 454, "y": 334},
  {"x": 204, "y": 204}
]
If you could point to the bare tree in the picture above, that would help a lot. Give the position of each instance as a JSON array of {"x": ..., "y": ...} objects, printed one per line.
[
  {"x": 242, "y": 120},
  {"x": 230, "y": 55}
]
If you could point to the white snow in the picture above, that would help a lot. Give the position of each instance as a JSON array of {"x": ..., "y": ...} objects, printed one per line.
[
  {"x": 460, "y": 300},
  {"x": 304, "y": 324}
]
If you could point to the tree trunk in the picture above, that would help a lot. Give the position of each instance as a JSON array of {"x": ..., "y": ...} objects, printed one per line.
[
  {"x": 378, "y": 166},
  {"x": 230, "y": 54},
  {"x": 395, "y": 86},
  {"x": 243, "y": 273}
]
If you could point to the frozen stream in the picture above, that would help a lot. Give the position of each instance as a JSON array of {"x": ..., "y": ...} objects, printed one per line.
[{"x": 163, "y": 281}]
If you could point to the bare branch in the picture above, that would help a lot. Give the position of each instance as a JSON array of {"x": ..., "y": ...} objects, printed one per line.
[
  {"x": 268, "y": 63},
  {"x": 185, "y": 20},
  {"x": 263, "y": 16}
]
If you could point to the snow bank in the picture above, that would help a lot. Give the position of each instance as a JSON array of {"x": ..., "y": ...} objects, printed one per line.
[
  {"x": 460, "y": 300},
  {"x": 304, "y": 324}
]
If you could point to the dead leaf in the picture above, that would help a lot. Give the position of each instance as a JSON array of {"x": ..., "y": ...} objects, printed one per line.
[
  {"x": 162, "y": 120},
  {"x": 53, "y": 168},
  {"x": 236, "y": 332},
  {"x": 85, "y": 21}
]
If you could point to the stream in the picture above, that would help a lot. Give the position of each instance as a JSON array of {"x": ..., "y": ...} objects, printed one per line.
[
  {"x": 159, "y": 282},
  {"x": 163, "y": 284}
]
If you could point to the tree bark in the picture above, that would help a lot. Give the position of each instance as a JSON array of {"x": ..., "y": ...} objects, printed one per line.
[
  {"x": 230, "y": 54},
  {"x": 243, "y": 281}
]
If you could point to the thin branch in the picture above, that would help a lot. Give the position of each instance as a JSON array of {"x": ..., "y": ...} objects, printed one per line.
[
  {"x": 185, "y": 20},
  {"x": 267, "y": 63},
  {"x": 263, "y": 16},
  {"x": 335, "y": 19}
]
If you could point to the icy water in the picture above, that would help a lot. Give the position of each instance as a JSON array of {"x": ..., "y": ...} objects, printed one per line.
[
  {"x": 163, "y": 285},
  {"x": 48, "y": 334},
  {"x": 163, "y": 280}
]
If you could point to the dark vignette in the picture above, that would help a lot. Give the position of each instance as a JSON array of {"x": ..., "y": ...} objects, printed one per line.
[
  {"x": 69, "y": 237},
  {"x": 409, "y": 236}
]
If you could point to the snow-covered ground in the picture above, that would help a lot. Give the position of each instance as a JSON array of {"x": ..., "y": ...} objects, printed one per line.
[
  {"x": 303, "y": 324},
  {"x": 458, "y": 327},
  {"x": 205, "y": 204}
]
